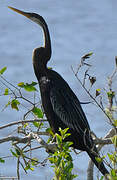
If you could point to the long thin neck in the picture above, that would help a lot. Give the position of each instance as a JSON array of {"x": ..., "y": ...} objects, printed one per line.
[{"x": 47, "y": 41}]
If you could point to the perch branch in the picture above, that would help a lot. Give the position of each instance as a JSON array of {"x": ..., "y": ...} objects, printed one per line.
[
  {"x": 21, "y": 122},
  {"x": 16, "y": 140}
]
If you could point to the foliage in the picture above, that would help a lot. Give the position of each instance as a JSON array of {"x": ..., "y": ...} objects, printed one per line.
[
  {"x": 28, "y": 87},
  {"x": 28, "y": 163},
  {"x": 61, "y": 159},
  {"x": 109, "y": 110},
  {"x": 15, "y": 97},
  {"x": 3, "y": 70},
  {"x": 2, "y": 160}
]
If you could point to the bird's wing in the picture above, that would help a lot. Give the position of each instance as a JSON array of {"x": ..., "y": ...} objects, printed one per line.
[{"x": 67, "y": 107}]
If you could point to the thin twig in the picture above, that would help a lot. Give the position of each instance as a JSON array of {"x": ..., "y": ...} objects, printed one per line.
[
  {"x": 23, "y": 140},
  {"x": 32, "y": 149},
  {"x": 22, "y": 122},
  {"x": 16, "y": 139},
  {"x": 91, "y": 95},
  {"x": 50, "y": 146},
  {"x": 18, "y": 174},
  {"x": 8, "y": 82}
]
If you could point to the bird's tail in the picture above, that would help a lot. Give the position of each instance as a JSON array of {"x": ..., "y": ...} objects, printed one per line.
[{"x": 100, "y": 165}]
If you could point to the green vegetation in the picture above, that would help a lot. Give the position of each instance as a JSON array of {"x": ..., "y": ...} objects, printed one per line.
[
  {"x": 32, "y": 129},
  {"x": 61, "y": 159}
]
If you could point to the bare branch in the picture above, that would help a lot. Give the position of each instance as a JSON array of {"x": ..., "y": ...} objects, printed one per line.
[
  {"x": 24, "y": 140},
  {"x": 51, "y": 146},
  {"x": 22, "y": 122},
  {"x": 103, "y": 141},
  {"x": 93, "y": 98},
  {"x": 16, "y": 139}
]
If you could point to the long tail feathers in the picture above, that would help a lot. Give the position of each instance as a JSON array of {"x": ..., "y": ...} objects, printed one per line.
[{"x": 100, "y": 166}]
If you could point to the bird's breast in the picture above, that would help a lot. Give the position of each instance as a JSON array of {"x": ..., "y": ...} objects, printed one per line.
[
  {"x": 44, "y": 84},
  {"x": 44, "y": 80},
  {"x": 45, "y": 88}
]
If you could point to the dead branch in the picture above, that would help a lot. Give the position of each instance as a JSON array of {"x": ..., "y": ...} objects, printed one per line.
[
  {"x": 22, "y": 122},
  {"x": 51, "y": 146},
  {"x": 23, "y": 140}
]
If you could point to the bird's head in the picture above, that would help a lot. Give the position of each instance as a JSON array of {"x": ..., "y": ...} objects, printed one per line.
[
  {"x": 32, "y": 16},
  {"x": 40, "y": 55}
]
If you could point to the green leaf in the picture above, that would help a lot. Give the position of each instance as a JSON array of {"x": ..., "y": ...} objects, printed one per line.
[
  {"x": 21, "y": 84},
  {"x": 69, "y": 166},
  {"x": 98, "y": 91},
  {"x": 14, "y": 154},
  {"x": 64, "y": 131},
  {"x": 38, "y": 112},
  {"x": 87, "y": 55},
  {"x": 90, "y": 54},
  {"x": 102, "y": 177},
  {"x": 115, "y": 123},
  {"x": 59, "y": 139},
  {"x": 2, "y": 160},
  {"x": 98, "y": 159},
  {"x": 6, "y": 91},
  {"x": 50, "y": 68},
  {"x": 34, "y": 161},
  {"x": 49, "y": 130},
  {"x": 67, "y": 144},
  {"x": 51, "y": 159},
  {"x": 36, "y": 124},
  {"x": 110, "y": 94},
  {"x": 114, "y": 140},
  {"x": 28, "y": 167},
  {"x": 3, "y": 70},
  {"x": 14, "y": 104},
  {"x": 32, "y": 169},
  {"x": 28, "y": 87},
  {"x": 61, "y": 159},
  {"x": 33, "y": 83},
  {"x": 113, "y": 173},
  {"x": 111, "y": 156},
  {"x": 7, "y": 104},
  {"x": 17, "y": 152},
  {"x": 58, "y": 161},
  {"x": 25, "y": 125},
  {"x": 66, "y": 135}
]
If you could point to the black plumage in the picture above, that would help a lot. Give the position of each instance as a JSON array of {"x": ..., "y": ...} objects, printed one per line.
[{"x": 61, "y": 106}]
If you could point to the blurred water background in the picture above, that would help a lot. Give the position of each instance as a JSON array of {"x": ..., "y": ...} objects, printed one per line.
[{"x": 76, "y": 28}]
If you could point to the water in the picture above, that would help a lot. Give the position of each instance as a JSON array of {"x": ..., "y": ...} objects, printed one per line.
[{"x": 76, "y": 28}]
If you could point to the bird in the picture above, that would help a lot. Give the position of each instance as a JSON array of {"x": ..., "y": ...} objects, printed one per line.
[{"x": 61, "y": 106}]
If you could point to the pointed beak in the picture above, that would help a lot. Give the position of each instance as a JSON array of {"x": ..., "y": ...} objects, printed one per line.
[{"x": 28, "y": 15}]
